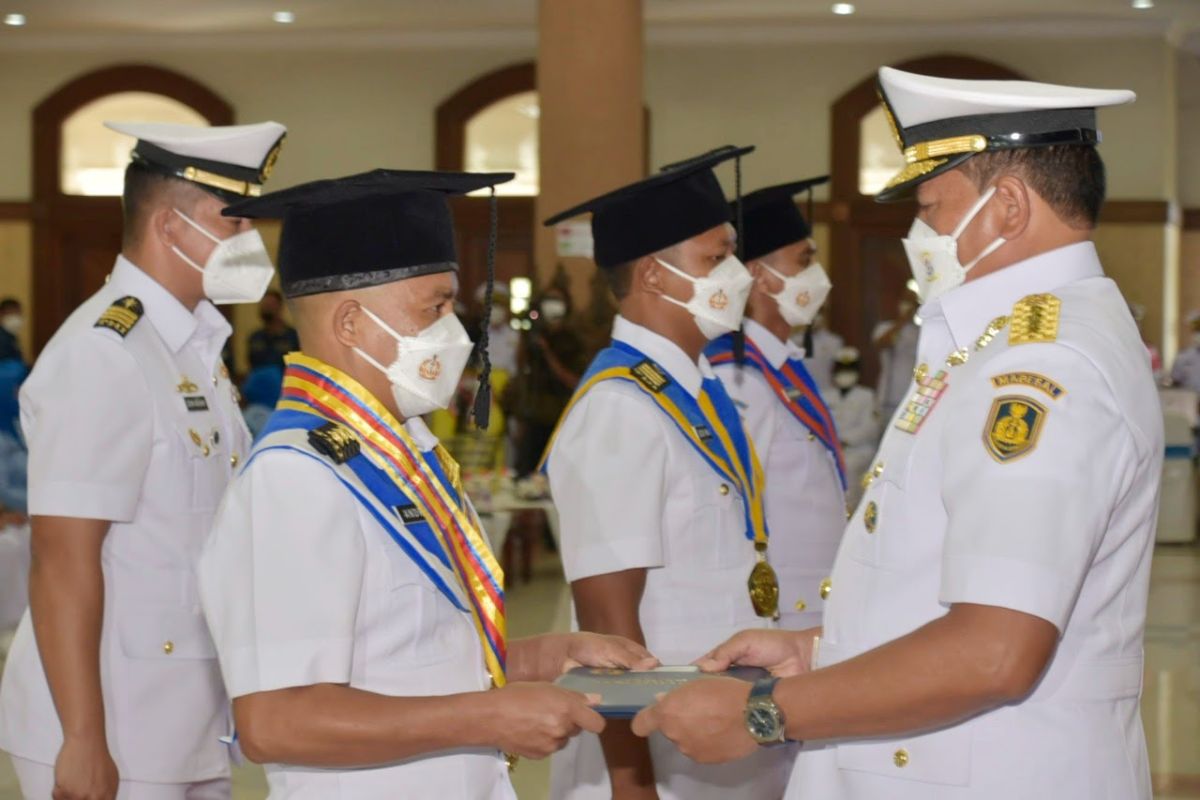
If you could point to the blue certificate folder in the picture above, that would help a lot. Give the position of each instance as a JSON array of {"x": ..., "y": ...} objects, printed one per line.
[{"x": 623, "y": 693}]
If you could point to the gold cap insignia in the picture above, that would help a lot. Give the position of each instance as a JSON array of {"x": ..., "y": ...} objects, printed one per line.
[{"x": 269, "y": 165}]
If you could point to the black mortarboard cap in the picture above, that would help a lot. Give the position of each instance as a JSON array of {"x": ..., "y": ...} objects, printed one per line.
[
  {"x": 770, "y": 219},
  {"x": 681, "y": 201}
]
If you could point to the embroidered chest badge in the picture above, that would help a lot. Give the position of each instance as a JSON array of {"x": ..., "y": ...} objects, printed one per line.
[
  {"x": 930, "y": 389},
  {"x": 1013, "y": 427}
]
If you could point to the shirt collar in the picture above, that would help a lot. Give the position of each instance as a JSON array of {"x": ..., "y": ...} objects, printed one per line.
[
  {"x": 174, "y": 323},
  {"x": 420, "y": 434},
  {"x": 668, "y": 355},
  {"x": 775, "y": 351},
  {"x": 969, "y": 308}
]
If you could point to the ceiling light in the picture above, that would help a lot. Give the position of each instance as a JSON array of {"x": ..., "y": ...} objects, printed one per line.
[
  {"x": 1143, "y": 4},
  {"x": 284, "y": 17},
  {"x": 14, "y": 20},
  {"x": 843, "y": 9}
]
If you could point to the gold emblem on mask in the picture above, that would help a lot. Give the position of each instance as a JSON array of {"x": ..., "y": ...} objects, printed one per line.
[
  {"x": 719, "y": 300},
  {"x": 803, "y": 299},
  {"x": 430, "y": 369}
]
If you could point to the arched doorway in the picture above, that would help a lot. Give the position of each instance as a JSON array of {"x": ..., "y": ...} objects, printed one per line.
[
  {"x": 871, "y": 269},
  {"x": 76, "y": 218}
]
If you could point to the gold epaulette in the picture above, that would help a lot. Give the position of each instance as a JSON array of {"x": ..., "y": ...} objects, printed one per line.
[
  {"x": 1034, "y": 319},
  {"x": 651, "y": 375},
  {"x": 334, "y": 441},
  {"x": 122, "y": 315}
]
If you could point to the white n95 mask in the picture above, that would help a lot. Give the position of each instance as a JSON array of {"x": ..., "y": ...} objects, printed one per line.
[
  {"x": 239, "y": 268},
  {"x": 802, "y": 294},
  {"x": 425, "y": 372},
  {"x": 933, "y": 258},
  {"x": 718, "y": 299}
]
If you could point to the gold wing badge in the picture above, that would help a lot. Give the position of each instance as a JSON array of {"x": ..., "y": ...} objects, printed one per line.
[{"x": 1013, "y": 427}]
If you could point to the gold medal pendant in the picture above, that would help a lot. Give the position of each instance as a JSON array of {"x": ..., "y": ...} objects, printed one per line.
[{"x": 764, "y": 586}]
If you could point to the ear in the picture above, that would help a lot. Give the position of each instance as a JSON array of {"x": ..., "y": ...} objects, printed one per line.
[
  {"x": 164, "y": 224},
  {"x": 648, "y": 275},
  {"x": 1013, "y": 200},
  {"x": 347, "y": 322}
]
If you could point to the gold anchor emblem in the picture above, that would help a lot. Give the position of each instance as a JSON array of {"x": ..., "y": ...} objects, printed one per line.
[
  {"x": 719, "y": 300},
  {"x": 430, "y": 368},
  {"x": 186, "y": 386}
]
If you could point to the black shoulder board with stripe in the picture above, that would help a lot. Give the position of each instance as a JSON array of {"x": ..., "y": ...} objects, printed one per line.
[
  {"x": 122, "y": 315},
  {"x": 651, "y": 375},
  {"x": 335, "y": 441}
]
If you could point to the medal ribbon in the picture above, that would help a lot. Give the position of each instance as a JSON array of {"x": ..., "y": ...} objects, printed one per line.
[
  {"x": 314, "y": 387},
  {"x": 795, "y": 388},
  {"x": 729, "y": 452}
]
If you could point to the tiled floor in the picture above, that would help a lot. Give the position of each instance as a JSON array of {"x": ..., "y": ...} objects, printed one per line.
[{"x": 1170, "y": 706}]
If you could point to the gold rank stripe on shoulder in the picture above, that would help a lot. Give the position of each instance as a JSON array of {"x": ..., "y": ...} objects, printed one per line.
[
  {"x": 650, "y": 375},
  {"x": 1035, "y": 319},
  {"x": 121, "y": 316},
  {"x": 1030, "y": 379}
]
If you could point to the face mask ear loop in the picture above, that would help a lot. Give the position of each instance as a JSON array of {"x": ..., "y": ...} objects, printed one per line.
[
  {"x": 987, "y": 251},
  {"x": 371, "y": 360},
  {"x": 196, "y": 225},
  {"x": 975, "y": 209},
  {"x": 381, "y": 323}
]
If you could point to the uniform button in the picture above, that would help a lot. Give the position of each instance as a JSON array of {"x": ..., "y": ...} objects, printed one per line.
[
  {"x": 801, "y": 605},
  {"x": 920, "y": 373},
  {"x": 826, "y": 588},
  {"x": 723, "y": 488},
  {"x": 877, "y": 470},
  {"x": 233, "y": 460},
  {"x": 206, "y": 450},
  {"x": 900, "y": 759},
  {"x": 214, "y": 380},
  {"x": 168, "y": 647},
  {"x": 871, "y": 516},
  {"x": 812, "y": 437}
]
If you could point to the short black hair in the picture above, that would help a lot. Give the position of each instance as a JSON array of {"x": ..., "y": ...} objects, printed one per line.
[
  {"x": 620, "y": 279},
  {"x": 142, "y": 187},
  {"x": 1070, "y": 178},
  {"x": 9, "y": 304}
]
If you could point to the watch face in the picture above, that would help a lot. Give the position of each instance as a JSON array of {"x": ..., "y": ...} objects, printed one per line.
[{"x": 763, "y": 723}]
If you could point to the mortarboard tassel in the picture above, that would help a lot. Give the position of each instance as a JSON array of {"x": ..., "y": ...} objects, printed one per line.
[
  {"x": 739, "y": 336},
  {"x": 483, "y": 396}
]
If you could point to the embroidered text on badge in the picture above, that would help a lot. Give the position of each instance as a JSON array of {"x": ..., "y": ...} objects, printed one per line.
[{"x": 1030, "y": 379}]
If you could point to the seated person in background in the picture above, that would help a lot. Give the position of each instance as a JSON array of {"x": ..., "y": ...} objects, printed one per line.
[
  {"x": 853, "y": 407},
  {"x": 275, "y": 339},
  {"x": 12, "y": 322},
  {"x": 356, "y": 607}
]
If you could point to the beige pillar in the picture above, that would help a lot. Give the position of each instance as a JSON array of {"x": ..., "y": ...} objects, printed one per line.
[{"x": 591, "y": 129}]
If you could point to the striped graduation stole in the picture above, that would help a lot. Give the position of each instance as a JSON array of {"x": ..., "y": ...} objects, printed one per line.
[
  {"x": 432, "y": 485},
  {"x": 710, "y": 423},
  {"x": 794, "y": 387}
]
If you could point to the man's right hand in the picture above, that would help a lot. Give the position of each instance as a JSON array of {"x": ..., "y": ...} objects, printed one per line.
[
  {"x": 85, "y": 770},
  {"x": 783, "y": 653},
  {"x": 533, "y": 720}
]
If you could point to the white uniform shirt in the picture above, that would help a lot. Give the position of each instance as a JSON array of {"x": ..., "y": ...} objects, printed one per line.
[
  {"x": 632, "y": 492},
  {"x": 806, "y": 508},
  {"x": 1063, "y": 531},
  {"x": 825, "y": 345},
  {"x": 858, "y": 424},
  {"x": 302, "y": 585},
  {"x": 140, "y": 430},
  {"x": 896, "y": 365}
]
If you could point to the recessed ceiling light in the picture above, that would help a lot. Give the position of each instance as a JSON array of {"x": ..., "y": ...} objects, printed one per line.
[
  {"x": 1143, "y": 4},
  {"x": 14, "y": 20},
  {"x": 843, "y": 9},
  {"x": 284, "y": 17}
]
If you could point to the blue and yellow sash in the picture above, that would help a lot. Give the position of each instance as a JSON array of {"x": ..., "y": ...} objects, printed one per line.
[
  {"x": 710, "y": 423},
  {"x": 417, "y": 499},
  {"x": 794, "y": 387}
]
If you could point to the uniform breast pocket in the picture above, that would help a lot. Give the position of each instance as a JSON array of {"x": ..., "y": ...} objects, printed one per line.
[
  {"x": 942, "y": 758},
  {"x": 424, "y": 626},
  {"x": 203, "y": 450},
  {"x": 162, "y": 630},
  {"x": 879, "y": 523},
  {"x": 714, "y": 535}
]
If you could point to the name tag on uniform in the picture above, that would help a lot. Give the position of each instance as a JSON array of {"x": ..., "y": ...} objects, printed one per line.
[
  {"x": 792, "y": 392},
  {"x": 704, "y": 432},
  {"x": 196, "y": 402},
  {"x": 410, "y": 515}
]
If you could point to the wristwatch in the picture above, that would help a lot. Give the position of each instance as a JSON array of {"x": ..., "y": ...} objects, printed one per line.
[{"x": 764, "y": 718}]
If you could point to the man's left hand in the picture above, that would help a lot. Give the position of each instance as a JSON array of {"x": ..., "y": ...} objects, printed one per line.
[
  {"x": 600, "y": 650},
  {"x": 705, "y": 719}
]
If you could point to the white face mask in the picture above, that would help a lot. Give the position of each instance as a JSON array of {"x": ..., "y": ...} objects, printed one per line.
[
  {"x": 934, "y": 258},
  {"x": 425, "y": 372},
  {"x": 239, "y": 268},
  {"x": 845, "y": 380},
  {"x": 13, "y": 323},
  {"x": 553, "y": 309},
  {"x": 802, "y": 294},
  {"x": 719, "y": 298}
]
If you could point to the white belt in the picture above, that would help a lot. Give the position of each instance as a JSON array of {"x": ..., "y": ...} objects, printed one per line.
[{"x": 1083, "y": 681}]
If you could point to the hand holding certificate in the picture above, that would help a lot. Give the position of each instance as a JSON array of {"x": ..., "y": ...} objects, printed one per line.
[{"x": 623, "y": 693}]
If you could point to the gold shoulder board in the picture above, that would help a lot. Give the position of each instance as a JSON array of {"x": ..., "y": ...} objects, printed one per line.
[
  {"x": 651, "y": 375},
  {"x": 121, "y": 316},
  {"x": 1034, "y": 319},
  {"x": 335, "y": 442}
]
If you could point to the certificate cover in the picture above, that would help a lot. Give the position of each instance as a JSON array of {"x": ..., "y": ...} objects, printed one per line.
[{"x": 623, "y": 693}]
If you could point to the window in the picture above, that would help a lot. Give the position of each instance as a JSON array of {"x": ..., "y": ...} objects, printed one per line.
[
  {"x": 504, "y": 138},
  {"x": 878, "y": 157},
  {"x": 93, "y": 158}
]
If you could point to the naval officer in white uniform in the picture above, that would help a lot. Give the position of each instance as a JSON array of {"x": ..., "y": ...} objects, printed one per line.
[
  {"x": 781, "y": 403},
  {"x": 112, "y": 687},
  {"x": 660, "y": 532},
  {"x": 357, "y": 609},
  {"x": 983, "y": 638}
]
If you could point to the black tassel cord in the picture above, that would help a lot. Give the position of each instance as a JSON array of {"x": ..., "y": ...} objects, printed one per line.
[{"x": 483, "y": 396}]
